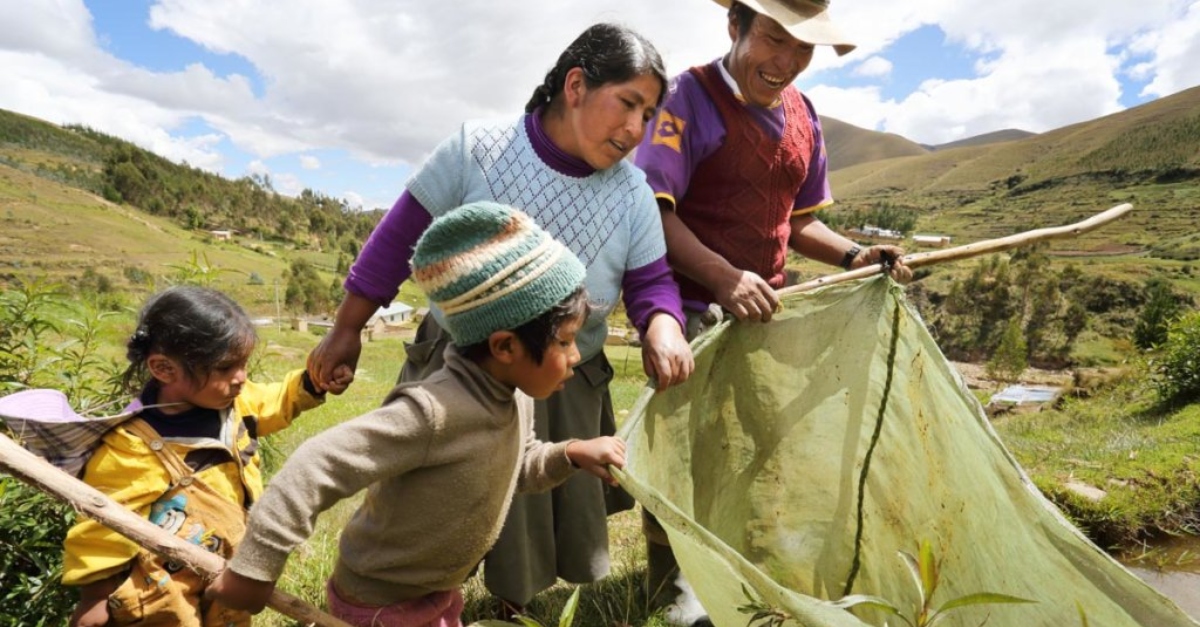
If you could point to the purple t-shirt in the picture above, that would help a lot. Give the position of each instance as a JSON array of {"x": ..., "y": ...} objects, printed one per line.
[
  {"x": 383, "y": 264},
  {"x": 689, "y": 128}
]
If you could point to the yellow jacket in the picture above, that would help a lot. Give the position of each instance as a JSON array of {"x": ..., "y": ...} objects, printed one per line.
[{"x": 124, "y": 468}]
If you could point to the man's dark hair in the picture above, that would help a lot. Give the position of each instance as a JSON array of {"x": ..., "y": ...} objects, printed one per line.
[{"x": 744, "y": 16}]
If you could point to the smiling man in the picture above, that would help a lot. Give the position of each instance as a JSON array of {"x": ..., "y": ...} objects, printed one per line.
[{"x": 737, "y": 164}]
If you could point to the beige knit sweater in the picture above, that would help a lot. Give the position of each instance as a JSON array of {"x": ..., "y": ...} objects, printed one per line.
[{"x": 440, "y": 462}]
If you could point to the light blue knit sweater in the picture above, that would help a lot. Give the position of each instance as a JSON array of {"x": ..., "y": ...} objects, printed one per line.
[{"x": 609, "y": 219}]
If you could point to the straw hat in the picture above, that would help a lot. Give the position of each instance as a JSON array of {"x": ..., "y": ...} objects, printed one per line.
[{"x": 806, "y": 20}]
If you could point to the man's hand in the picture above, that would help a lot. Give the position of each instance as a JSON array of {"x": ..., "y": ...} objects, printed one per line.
[
  {"x": 891, "y": 256},
  {"x": 748, "y": 297},
  {"x": 595, "y": 455},
  {"x": 240, "y": 593},
  {"x": 666, "y": 356}
]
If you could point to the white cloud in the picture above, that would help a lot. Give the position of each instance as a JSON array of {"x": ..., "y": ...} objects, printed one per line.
[
  {"x": 353, "y": 199},
  {"x": 874, "y": 66},
  {"x": 385, "y": 80},
  {"x": 287, "y": 184},
  {"x": 309, "y": 162},
  {"x": 1176, "y": 55}
]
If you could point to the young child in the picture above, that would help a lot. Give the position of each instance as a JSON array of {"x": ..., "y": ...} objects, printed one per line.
[
  {"x": 190, "y": 466},
  {"x": 443, "y": 457}
]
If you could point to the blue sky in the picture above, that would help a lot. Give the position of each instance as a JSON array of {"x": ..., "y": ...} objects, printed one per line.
[{"x": 346, "y": 97}]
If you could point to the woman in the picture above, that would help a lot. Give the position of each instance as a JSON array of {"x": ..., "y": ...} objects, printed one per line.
[{"x": 562, "y": 162}]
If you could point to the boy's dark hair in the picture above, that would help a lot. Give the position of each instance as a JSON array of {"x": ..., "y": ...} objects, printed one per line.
[
  {"x": 537, "y": 334},
  {"x": 744, "y": 16},
  {"x": 607, "y": 53},
  {"x": 196, "y": 326}
]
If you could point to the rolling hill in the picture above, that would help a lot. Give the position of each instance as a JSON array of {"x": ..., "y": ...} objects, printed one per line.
[
  {"x": 1146, "y": 155},
  {"x": 995, "y": 137},
  {"x": 848, "y": 145}
]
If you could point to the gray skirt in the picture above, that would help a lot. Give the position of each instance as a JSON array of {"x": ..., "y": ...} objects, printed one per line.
[{"x": 564, "y": 532}]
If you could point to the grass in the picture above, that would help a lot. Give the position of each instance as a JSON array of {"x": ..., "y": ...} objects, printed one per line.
[{"x": 1121, "y": 441}]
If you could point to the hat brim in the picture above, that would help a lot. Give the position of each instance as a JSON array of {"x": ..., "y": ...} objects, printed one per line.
[
  {"x": 804, "y": 21},
  {"x": 43, "y": 421}
]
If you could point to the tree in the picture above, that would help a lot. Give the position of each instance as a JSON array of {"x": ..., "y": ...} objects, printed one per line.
[
  {"x": 1011, "y": 356},
  {"x": 305, "y": 291},
  {"x": 1177, "y": 369},
  {"x": 1162, "y": 306}
]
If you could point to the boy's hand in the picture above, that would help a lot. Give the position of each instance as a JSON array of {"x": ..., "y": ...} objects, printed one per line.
[
  {"x": 90, "y": 613},
  {"x": 596, "y": 454},
  {"x": 240, "y": 593}
]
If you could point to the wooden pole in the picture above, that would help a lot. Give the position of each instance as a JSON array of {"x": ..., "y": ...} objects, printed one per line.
[
  {"x": 970, "y": 250},
  {"x": 41, "y": 474}
]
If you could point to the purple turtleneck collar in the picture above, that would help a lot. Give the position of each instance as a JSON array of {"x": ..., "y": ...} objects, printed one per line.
[{"x": 551, "y": 154}]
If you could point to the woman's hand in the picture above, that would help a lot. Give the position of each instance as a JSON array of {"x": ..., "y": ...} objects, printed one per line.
[
  {"x": 666, "y": 356},
  {"x": 240, "y": 593},
  {"x": 596, "y": 454},
  {"x": 332, "y": 363}
]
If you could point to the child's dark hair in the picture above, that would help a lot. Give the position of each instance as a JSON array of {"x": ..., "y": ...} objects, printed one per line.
[
  {"x": 196, "y": 326},
  {"x": 537, "y": 334},
  {"x": 607, "y": 53}
]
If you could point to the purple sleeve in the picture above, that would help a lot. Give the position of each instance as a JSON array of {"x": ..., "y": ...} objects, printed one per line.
[
  {"x": 685, "y": 132},
  {"x": 815, "y": 192},
  {"x": 648, "y": 290},
  {"x": 382, "y": 265}
]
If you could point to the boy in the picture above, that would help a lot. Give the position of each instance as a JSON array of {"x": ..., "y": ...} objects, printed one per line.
[{"x": 442, "y": 458}]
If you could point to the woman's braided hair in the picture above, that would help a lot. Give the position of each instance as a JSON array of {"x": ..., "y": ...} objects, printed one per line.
[{"x": 607, "y": 53}]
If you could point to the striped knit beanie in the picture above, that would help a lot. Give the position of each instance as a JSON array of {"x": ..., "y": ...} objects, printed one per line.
[{"x": 489, "y": 268}]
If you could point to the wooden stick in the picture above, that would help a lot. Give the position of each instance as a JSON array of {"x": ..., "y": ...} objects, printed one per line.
[
  {"x": 41, "y": 474},
  {"x": 970, "y": 250}
]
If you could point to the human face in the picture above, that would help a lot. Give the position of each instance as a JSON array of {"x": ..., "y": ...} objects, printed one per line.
[
  {"x": 608, "y": 121},
  {"x": 215, "y": 389},
  {"x": 558, "y": 361},
  {"x": 765, "y": 60}
]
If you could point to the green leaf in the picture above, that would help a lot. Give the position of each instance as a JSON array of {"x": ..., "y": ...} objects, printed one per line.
[
  {"x": 871, "y": 601},
  {"x": 914, "y": 569},
  {"x": 928, "y": 569},
  {"x": 527, "y": 621},
  {"x": 568, "y": 612},
  {"x": 980, "y": 598},
  {"x": 1082, "y": 614}
]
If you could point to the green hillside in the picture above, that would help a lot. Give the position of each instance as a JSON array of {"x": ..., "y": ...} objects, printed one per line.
[
  {"x": 1146, "y": 155},
  {"x": 849, "y": 145},
  {"x": 95, "y": 212},
  {"x": 995, "y": 137}
]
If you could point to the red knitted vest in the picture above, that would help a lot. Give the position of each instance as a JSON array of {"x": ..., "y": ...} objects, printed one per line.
[{"x": 740, "y": 199}]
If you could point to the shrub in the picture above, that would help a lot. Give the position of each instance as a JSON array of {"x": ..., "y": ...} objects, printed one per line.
[
  {"x": 46, "y": 340},
  {"x": 1177, "y": 368},
  {"x": 1162, "y": 306},
  {"x": 31, "y": 533}
]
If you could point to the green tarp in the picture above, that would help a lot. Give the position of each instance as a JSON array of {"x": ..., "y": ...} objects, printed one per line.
[{"x": 755, "y": 467}]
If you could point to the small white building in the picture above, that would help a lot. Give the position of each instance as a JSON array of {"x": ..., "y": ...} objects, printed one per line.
[
  {"x": 221, "y": 236},
  {"x": 874, "y": 232},
  {"x": 931, "y": 240},
  {"x": 394, "y": 313}
]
